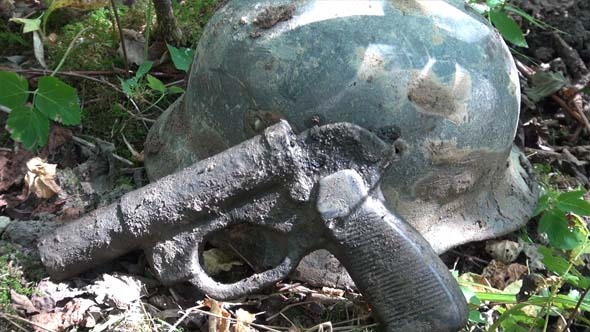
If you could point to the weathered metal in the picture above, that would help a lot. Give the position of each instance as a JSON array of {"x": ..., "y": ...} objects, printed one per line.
[
  {"x": 319, "y": 189},
  {"x": 433, "y": 73}
]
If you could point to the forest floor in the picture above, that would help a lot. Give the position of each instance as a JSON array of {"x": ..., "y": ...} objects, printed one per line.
[{"x": 101, "y": 159}]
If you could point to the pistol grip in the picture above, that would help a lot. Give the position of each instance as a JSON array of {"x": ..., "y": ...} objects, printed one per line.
[{"x": 394, "y": 267}]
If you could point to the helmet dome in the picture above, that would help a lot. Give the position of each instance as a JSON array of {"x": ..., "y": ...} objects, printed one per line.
[{"x": 432, "y": 76}]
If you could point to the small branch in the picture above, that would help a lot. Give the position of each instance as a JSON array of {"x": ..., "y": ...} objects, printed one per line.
[
  {"x": 576, "y": 308},
  {"x": 7, "y": 316},
  {"x": 114, "y": 6},
  {"x": 92, "y": 146}
]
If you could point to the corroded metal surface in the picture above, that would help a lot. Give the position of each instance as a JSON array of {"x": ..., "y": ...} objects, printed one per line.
[
  {"x": 431, "y": 72},
  {"x": 320, "y": 189}
]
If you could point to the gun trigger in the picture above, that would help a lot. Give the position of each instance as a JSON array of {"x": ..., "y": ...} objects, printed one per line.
[{"x": 340, "y": 193}]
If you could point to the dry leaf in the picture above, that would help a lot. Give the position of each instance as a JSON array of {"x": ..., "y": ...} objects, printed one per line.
[
  {"x": 333, "y": 291},
  {"x": 38, "y": 49},
  {"x": 500, "y": 275},
  {"x": 216, "y": 260},
  {"x": 505, "y": 251},
  {"x": 75, "y": 313},
  {"x": 244, "y": 318},
  {"x": 40, "y": 178},
  {"x": 22, "y": 304},
  {"x": 216, "y": 323}
]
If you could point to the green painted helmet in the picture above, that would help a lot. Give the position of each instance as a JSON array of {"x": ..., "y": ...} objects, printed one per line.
[{"x": 431, "y": 77}]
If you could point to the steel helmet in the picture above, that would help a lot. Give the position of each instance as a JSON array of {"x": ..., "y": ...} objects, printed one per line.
[{"x": 431, "y": 77}]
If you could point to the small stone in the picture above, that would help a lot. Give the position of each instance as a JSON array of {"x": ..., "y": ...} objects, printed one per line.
[{"x": 4, "y": 221}]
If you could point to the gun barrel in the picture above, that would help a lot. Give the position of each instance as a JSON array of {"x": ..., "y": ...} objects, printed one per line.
[{"x": 195, "y": 193}]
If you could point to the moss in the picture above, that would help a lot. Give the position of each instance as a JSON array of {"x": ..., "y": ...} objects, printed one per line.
[
  {"x": 12, "y": 41},
  {"x": 18, "y": 271},
  {"x": 192, "y": 16},
  {"x": 95, "y": 50}
]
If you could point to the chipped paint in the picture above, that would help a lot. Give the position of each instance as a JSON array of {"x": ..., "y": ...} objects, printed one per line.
[
  {"x": 457, "y": 169},
  {"x": 407, "y": 7},
  {"x": 432, "y": 96}
]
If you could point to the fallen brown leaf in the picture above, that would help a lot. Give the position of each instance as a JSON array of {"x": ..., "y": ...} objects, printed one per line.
[
  {"x": 216, "y": 323},
  {"x": 501, "y": 275},
  {"x": 40, "y": 178},
  {"x": 22, "y": 304},
  {"x": 12, "y": 168},
  {"x": 74, "y": 314}
]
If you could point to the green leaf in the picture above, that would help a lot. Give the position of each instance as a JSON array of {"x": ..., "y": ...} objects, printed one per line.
[
  {"x": 28, "y": 126},
  {"x": 143, "y": 69},
  {"x": 493, "y": 4},
  {"x": 573, "y": 201},
  {"x": 545, "y": 84},
  {"x": 507, "y": 27},
  {"x": 558, "y": 230},
  {"x": 127, "y": 85},
  {"x": 156, "y": 84},
  {"x": 182, "y": 57},
  {"x": 475, "y": 317},
  {"x": 470, "y": 296},
  {"x": 175, "y": 89},
  {"x": 30, "y": 24},
  {"x": 527, "y": 17},
  {"x": 14, "y": 91},
  {"x": 554, "y": 263},
  {"x": 58, "y": 101},
  {"x": 542, "y": 204},
  {"x": 559, "y": 265}
]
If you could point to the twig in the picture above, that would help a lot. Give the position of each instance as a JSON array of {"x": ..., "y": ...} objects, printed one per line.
[
  {"x": 114, "y": 7},
  {"x": 575, "y": 113},
  {"x": 264, "y": 327},
  {"x": 287, "y": 307},
  {"x": 6, "y": 316},
  {"x": 15, "y": 324},
  {"x": 320, "y": 327},
  {"x": 576, "y": 308},
  {"x": 92, "y": 146}
]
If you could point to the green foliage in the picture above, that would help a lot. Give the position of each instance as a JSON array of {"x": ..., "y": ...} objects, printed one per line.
[
  {"x": 11, "y": 42},
  {"x": 567, "y": 235},
  {"x": 29, "y": 24},
  {"x": 507, "y": 28},
  {"x": 13, "y": 264},
  {"x": 133, "y": 86},
  {"x": 192, "y": 17},
  {"x": 496, "y": 12},
  {"x": 58, "y": 101},
  {"x": 52, "y": 100},
  {"x": 182, "y": 57},
  {"x": 15, "y": 91},
  {"x": 97, "y": 50},
  {"x": 560, "y": 219}
]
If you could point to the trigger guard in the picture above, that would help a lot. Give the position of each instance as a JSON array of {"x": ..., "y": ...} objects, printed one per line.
[{"x": 249, "y": 285}]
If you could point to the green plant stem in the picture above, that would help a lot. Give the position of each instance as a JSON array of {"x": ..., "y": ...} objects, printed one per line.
[
  {"x": 116, "y": 14},
  {"x": 68, "y": 50},
  {"x": 572, "y": 316},
  {"x": 155, "y": 103},
  {"x": 505, "y": 315},
  {"x": 148, "y": 24}
]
